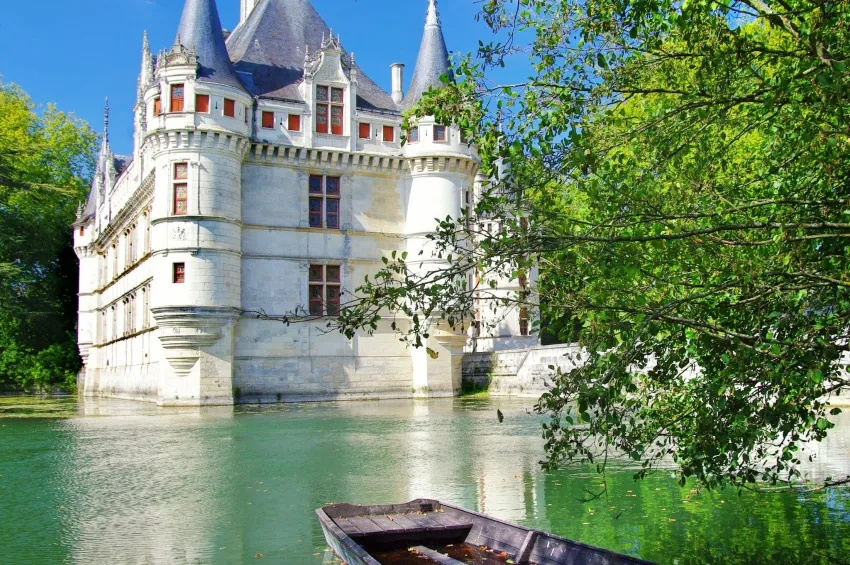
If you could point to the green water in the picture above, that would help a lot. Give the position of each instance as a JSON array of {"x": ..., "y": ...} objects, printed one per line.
[{"x": 121, "y": 482}]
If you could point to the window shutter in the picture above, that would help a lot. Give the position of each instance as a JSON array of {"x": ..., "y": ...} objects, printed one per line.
[
  {"x": 294, "y": 122},
  {"x": 268, "y": 120},
  {"x": 229, "y": 108},
  {"x": 202, "y": 103},
  {"x": 389, "y": 134},
  {"x": 365, "y": 130}
]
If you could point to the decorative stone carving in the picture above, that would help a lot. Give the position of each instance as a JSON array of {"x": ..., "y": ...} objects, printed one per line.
[{"x": 184, "y": 331}]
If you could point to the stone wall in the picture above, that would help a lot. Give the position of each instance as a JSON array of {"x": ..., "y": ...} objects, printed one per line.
[{"x": 520, "y": 372}]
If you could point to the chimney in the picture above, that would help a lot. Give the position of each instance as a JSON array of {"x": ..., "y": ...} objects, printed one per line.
[{"x": 398, "y": 82}]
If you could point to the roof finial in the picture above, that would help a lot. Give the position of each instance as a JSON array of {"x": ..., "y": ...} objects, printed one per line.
[
  {"x": 106, "y": 123},
  {"x": 433, "y": 17}
]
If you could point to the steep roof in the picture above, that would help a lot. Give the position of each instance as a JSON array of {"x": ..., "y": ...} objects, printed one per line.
[
  {"x": 433, "y": 60},
  {"x": 200, "y": 28},
  {"x": 269, "y": 46}
]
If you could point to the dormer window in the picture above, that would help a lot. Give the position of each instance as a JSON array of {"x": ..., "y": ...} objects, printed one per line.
[
  {"x": 365, "y": 131},
  {"x": 177, "y": 95},
  {"x": 229, "y": 108},
  {"x": 330, "y": 109},
  {"x": 389, "y": 134},
  {"x": 268, "y": 120}
]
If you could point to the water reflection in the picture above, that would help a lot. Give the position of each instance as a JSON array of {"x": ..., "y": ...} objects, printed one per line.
[{"x": 128, "y": 482}]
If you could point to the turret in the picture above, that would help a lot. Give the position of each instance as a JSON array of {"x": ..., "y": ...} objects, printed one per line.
[
  {"x": 198, "y": 143},
  {"x": 442, "y": 171},
  {"x": 433, "y": 59},
  {"x": 86, "y": 229}
]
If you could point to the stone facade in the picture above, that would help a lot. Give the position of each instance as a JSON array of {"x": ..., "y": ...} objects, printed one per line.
[{"x": 189, "y": 246}]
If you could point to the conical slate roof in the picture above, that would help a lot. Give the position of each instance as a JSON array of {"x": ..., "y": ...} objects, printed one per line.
[
  {"x": 269, "y": 47},
  {"x": 433, "y": 60},
  {"x": 200, "y": 28}
]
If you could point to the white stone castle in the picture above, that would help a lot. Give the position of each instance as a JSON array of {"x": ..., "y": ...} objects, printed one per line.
[{"x": 268, "y": 175}]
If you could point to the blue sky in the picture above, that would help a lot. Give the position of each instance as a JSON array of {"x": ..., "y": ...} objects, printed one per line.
[{"x": 75, "y": 53}]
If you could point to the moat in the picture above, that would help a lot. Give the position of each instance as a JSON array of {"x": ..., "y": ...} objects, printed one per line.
[{"x": 101, "y": 481}]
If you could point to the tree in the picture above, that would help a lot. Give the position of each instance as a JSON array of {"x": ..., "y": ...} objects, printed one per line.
[
  {"x": 44, "y": 163},
  {"x": 681, "y": 173}
]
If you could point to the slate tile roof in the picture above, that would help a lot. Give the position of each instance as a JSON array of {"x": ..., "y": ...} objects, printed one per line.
[{"x": 270, "y": 47}]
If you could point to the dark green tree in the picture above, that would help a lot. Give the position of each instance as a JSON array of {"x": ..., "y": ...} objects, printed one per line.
[
  {"x": 680, "y": 172},
  {"x": 45, "y": 159}
]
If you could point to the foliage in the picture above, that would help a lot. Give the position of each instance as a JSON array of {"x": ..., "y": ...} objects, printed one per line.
[
  {"x": 44, "y": 161},
  {"x": 682, "y": 171}
]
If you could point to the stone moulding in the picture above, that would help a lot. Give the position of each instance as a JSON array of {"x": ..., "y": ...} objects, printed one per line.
[{"x": 184, "y": 331}]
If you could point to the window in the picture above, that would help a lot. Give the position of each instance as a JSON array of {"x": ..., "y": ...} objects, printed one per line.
[
  {"x": 147, "y": 220},
  {"x": 202, "y": 103},
  {"x": 440, "y": 133},
  {"x": 294, "y": 122},
  {"x": 365, "y": 131},
  {"x": 229, "y": 108},
  {"x": 330, "y": 108},
  {"x": 146, "y": 308},
  {"x": 157, "y": 106},
  {"x": 114, "y": 332},
  {"x": 114, "y": 261},
  {"x": 389, "y": 134},
  {"x": 268, "y": 120},
  {"x": 82, "y": 231},
  {"x": 181, "y": 189},
  {"x": 523, "y": 321},
  {"x": 325, "y": 290},
  {"x": 324, "y": 202},
  {"x": 177, "y": 92},
  {"x": 130, "y": 234},
  {"x": 414, "y": 135},
  {"x": 179, "y": 273}
]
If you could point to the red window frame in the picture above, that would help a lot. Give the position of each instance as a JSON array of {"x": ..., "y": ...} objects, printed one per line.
[
  {"x": 324, "y": 203},
  {"x": 181, "y": 189},
  {"x": 179, "y": 273},
  {"x": 389, "y": 134},
  {"x": 523, "y": 322},
  {"x": 442, "y": 137},
  {"x": 294, "y": 122},
  {"x": 330, "y": 110},
  {"x": 229, "y": 108},
  {"x": 157, "y": 106},
  {"x": 267, "y": 120},
  {"x": 178, "y": 93},
  {"x": 202, "y": 103},
  {"x": 365, "y": 130},
  {"x": 325, "y": 290}
]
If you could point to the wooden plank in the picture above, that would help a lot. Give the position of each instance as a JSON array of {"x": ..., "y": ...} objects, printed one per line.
[
  {"x": 387, "y": 524},
  {"x": 450, "y": 521},
  {"x": 524, "y": 554},
  {"x": 406, "y": 523},
  {"x": 346, "y": 526},
  {"x": 365, "y": 525},
  {"x": 436, "y": 556},
  {"x": 424, "y": 521}
]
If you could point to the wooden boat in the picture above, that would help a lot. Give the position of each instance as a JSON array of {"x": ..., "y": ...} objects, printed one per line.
[{"x": 429, "y": 531}]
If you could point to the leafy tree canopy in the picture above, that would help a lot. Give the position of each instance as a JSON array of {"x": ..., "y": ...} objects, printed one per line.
[
  {"x": 680, "y": 172},
  {"x": 44, "y": 162}
]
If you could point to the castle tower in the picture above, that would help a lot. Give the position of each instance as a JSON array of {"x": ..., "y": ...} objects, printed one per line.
[
  {"x": 198, "y": 116},
  {"x": 85, "y": 233},
  {"x": 442, "y": 171}
]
